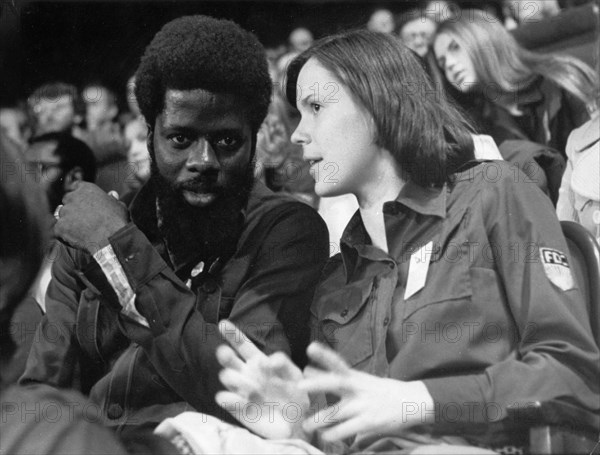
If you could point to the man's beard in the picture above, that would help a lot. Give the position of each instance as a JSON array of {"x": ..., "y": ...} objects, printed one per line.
[{"x": 202, "y": 233}]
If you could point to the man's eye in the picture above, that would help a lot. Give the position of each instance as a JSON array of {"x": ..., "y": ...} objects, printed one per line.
[
  {"x": 228, "y": 142},
  {"x": 315, "y": 107},
  {"x": 179, "y": 140}
]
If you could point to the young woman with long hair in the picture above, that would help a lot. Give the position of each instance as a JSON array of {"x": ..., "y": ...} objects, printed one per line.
[{"x": 518, "y": 94}]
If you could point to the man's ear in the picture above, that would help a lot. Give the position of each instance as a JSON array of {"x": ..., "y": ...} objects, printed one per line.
[{"x": 71, "y": 177}]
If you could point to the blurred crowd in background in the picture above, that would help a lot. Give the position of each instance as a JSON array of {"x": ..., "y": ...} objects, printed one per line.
[
  {"x": 524, "y": 72},
  {"x": 499, "y": 76}
]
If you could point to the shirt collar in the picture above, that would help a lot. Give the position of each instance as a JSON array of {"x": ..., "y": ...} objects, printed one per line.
[
  {"x": 143, "y": 212},
  {"x": 424, "y": 201}
]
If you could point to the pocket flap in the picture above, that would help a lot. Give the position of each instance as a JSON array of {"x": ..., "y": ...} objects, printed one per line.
[
  {"x": 343, "y": 305},
  {"x": 344, "y": 318}
]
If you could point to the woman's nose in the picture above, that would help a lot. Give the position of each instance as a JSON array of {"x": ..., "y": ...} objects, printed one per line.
[{"x": 300, "y": 136}]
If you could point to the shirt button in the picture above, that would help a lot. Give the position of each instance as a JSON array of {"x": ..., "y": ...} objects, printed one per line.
[
  {"x": 209, "y": 286},
  {"x": 386, "y": 321},
  {"x": 131, "y": 257},
  {"x": 89, "y": 295},
  {"x": 344, "y": 313},
  {"x": 114, "y": 411}
]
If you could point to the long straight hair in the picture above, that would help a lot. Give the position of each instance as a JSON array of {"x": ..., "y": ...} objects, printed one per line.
[
  {"x": 427, "y": 136},
  {"x": 499, "y": 60}
]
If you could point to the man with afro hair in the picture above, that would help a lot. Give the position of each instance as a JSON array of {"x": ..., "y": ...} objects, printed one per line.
[{"x": 137, "y": 294}]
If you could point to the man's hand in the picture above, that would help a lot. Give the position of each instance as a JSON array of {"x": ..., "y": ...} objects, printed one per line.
[
  {"x": 259, "y": 387},
  {"x": 271, "y": 141},
  {"x": 89, "y": 217},
  {"x": 368, "y": 404}
]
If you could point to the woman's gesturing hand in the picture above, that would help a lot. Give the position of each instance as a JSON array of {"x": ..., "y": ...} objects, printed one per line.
[
  {"x": 260, "y": 388},
  {"x": 368, "y": 404}
]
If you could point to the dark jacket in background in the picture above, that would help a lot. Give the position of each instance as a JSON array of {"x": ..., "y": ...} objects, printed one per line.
[{"x": 549, "y": 116}]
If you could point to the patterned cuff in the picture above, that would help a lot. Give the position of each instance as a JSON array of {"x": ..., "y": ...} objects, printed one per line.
[{"x": 111, "y": 267}]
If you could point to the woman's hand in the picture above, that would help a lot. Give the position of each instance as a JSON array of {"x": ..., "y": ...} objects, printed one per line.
[
  {"x": 368, "y": 404},
  {"x": 262, "y": 391}
]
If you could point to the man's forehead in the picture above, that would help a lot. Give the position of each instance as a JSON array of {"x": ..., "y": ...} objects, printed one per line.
[
  {"x": 200, "y": 98},
  {"x": 60, "y": 100},
  {"x": 200, "y": 103},
  {"x": 418, "y": 24},
  {"x": 96, "y": 94},
  {"x": 42, "y": 151}
]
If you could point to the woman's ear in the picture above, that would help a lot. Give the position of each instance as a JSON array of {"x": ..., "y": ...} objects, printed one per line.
[{"x": 73, "y": 176}]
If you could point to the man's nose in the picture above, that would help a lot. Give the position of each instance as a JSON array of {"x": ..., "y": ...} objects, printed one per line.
[{"x": 202, "y": 156}]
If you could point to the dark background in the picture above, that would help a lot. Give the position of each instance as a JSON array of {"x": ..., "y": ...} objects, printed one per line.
[{"x": 81, "y": 41}]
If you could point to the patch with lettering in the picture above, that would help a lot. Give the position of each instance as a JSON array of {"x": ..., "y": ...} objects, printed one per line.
[{"x": 557, "y": 268}]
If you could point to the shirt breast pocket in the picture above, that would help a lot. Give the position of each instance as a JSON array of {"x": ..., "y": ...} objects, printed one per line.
[
  {"x": 343, "y": 320},
  {"x": 448, "y": 280}
]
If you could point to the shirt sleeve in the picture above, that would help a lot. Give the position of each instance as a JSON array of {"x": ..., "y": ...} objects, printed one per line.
[
  {"x": 565, "y": 206},
  {"x": 111, "y": 267},
  {"x": 54, "y": 355},
  {"x": 555, "y": 356}
]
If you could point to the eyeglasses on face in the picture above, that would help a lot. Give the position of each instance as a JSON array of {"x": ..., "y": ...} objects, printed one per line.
[{"x": 42, "y": 167}]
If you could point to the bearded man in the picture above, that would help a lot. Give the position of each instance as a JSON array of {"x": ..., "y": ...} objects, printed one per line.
[{"x": 136, "y": 295}]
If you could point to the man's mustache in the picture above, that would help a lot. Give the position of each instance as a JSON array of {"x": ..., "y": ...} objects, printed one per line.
[{"x": 205, "y": 183}]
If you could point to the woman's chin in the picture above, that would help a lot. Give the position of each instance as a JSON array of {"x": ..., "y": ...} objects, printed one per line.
[{"x": 332, "y": 189}]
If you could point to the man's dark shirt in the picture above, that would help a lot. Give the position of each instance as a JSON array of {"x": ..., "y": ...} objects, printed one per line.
[{"x": 137, "y": 374}]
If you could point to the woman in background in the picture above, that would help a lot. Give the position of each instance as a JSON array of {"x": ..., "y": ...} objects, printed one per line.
[{"x": 518, "y": 94}]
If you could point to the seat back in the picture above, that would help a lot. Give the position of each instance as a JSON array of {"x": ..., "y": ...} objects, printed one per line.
[
  {"x": 573, "y": 32},
  {"x": 585, "y": 258}
]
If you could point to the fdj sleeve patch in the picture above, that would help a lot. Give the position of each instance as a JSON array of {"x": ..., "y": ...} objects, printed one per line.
[{"x": 557, "y": 268}]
